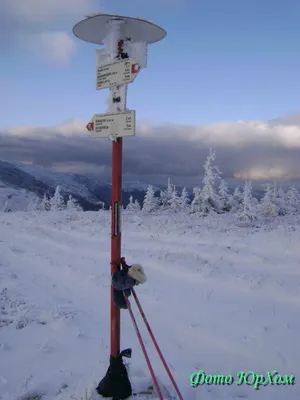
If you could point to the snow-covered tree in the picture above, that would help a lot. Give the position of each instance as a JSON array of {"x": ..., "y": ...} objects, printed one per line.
[
  {"x": 281, "y": 194},
  {"x": 293, "y": 201},
  {"x": 274, "y": 192},
  {"x": 57, "y": 202},
  {"x": 281, "y": 202},
  {"x": 224, "y": 195},
  {"x": 196, "y": 205},
  {"x": 268, "y": 207},
  {"x": 137, "y": 205},
  {"x": 248, "y": 213},
  {"x": 131, "y": 205},
  {"x": 210, "y": 198},
  {"x": 45, "y": 204},
  {"x": 150, "y": 203},
  {"x": 175, "y": 202},
  {"x": 72, "y": 204},
  {"x": 6, "y": 207},
  {"x": 166, "y": 195},
  {"x": 34, "y": 204},
  {"x": 237, "y": 199},
  {"x": 102, "y": 206},
  {"x": 184, "y": 200}
]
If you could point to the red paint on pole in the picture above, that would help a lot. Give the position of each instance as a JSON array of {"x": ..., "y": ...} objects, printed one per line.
[
  {"x": 115, "y": 240},
  {"x": 117, "y": 160}
]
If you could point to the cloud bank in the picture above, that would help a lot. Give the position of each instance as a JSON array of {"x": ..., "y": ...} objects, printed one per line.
[
  {"x": 253, "y": 150},
  {"x": 36, "y": 26}
]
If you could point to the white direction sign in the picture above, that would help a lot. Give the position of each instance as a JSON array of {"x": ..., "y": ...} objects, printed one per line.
[
  {"x": 116, "y": 125},
  {"x": 118, "y": 73}
]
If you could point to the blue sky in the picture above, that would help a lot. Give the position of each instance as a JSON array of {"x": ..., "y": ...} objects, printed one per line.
[{"x": 223, "y": 60}]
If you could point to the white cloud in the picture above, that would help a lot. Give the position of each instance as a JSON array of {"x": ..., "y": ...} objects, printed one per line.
[
  {"x": 265, "y": 172},
  {"x": 54, "y": 47},
  {"x": 253, "y": 150},
  {"x": 38, "y": 26},
  {"x": 36, "y": 11}
]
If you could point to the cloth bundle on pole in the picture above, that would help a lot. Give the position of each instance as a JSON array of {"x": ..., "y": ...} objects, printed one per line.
[{"x": 124, "y": 280}]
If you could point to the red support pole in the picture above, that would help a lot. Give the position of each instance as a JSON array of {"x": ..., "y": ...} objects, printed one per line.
[{"x": 117, "y": 148}]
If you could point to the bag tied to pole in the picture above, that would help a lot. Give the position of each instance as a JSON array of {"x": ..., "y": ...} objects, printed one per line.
[
  {"x": 124, "y": 280},
  {"x": 116, "y": 383}
]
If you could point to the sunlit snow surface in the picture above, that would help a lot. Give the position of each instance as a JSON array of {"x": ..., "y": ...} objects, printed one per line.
[{"x": 219, "y": 297}]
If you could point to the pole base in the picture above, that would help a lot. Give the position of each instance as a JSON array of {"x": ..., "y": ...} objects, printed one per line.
[{"x": 115, "y": 383}]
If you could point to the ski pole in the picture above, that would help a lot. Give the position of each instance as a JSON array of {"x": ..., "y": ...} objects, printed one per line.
[
  {"x": 156, "y": 344},
  {"x": 143, "y": 348}
]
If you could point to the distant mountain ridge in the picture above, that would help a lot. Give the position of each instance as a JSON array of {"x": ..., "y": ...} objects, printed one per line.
[{"x": 20, "y": 179}]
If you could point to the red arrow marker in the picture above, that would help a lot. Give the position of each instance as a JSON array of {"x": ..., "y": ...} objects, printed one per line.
[
  {"x": 135, "y": 68},
  {"x": 90, "y": 126}
]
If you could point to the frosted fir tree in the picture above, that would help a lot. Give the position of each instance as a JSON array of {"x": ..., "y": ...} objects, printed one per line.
[
  {"x": 131, "y": 205},
  {"x": 225, "y": 199},
  {"x": 175, "y": 202},
  {"x": 102, "y": 206},
  {"x": 57, "y": 202},
  {"x": 150, "y": 203},
  {"x": 237, "y": 199},
  {"x": 281, "y": 194},
  {"x": 45, "y": 205},
  {"x": 34, "y": 204},
  {"x": 196, "y": 205},
  {"x": 248, "y": 212},
  {"x": 209, "y": 196},
  {"x": 166, "y": 195},
  {"x": 274, "y": 192},
  {"x": 6, "y": 207},
  {"x": 163, "y": 202},
  {"x": 184, "y": 200},
  {"x": 281, "y": 202},
  {"x": 293, "y": 201},
  {"x": 73, "y": 205},
  {"x": 137, "y": 205},
  {"x": 268, "y": 208}
]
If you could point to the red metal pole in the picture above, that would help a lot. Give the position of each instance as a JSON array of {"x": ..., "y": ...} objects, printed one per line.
[{"x": 117, "y": 148}]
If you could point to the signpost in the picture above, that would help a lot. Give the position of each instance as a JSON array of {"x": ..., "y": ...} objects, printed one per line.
[
  {"x": 113, "y": 125},
  {"x": 126, "y": 39},
  {"x": 118, "y": 73}
]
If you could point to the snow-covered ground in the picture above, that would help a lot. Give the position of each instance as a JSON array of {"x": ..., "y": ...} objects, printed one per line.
[
  {"x": 13, "y": 198},
  {"x": 219, "y": 298}
]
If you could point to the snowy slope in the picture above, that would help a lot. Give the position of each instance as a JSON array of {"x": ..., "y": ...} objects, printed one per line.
[
  {"x": 18, "y": 199},
  {"x": 219, "y": 297}
]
